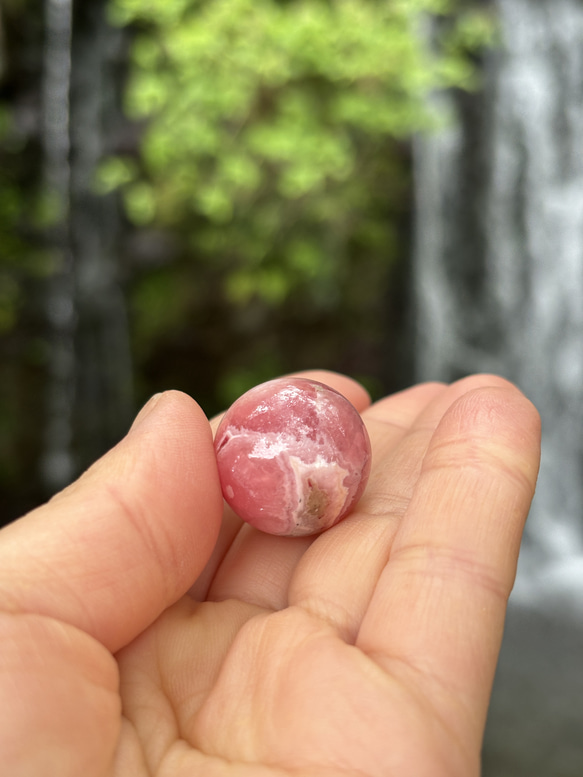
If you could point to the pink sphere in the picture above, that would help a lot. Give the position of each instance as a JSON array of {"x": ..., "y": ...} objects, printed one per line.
[{"x": 293, "y": 456}]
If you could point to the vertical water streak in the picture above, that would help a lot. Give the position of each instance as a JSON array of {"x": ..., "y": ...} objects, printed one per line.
[
  {"x": 499, "y": 257},
  {"x": 104, "y": 365},
  {"x": 57, "y": 464},
  {"x": 536, "y": 246}
]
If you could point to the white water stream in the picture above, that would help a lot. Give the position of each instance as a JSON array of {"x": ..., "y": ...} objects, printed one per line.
[
  {"x": 499, "y": 263},
  {"x": 57, "y": 464}
]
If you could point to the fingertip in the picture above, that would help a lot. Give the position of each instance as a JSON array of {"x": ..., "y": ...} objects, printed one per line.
[
  {"x": 493, "y": 421},
  {"x": 507, "y": 403},
  {"x": 497, "y": 404},
  {"x": 177, "y": 425},
  {"x": 484, "y": 380},
  {"x": 169, "y": 403},
  {"x": 146, "y": 410}
]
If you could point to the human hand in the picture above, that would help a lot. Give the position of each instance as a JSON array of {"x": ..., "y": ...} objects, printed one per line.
[{"x": 366, "y": 651}]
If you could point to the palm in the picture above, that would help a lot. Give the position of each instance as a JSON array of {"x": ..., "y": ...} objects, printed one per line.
[
  {"x": 283, "y": 690},
  {"x": 367, "y": 651},
  {"x": 292, "y": 695}
]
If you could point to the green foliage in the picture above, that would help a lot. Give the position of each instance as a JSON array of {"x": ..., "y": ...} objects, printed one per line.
[
  {"x": 475, "y": 29},
  {"x": 267, "y": 203},
  {"x": 112, "y": 173},
  {"x": 273, "y": 138}
]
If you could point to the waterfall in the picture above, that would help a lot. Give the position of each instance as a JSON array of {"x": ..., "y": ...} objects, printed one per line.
[
  {"x": 499, "y": 260},
  {"x": 104, "y": 365},
  {"x": 498, "y": 287},
  {"x": 90, "y": 373},
  {"x": 57, "y": 465}
]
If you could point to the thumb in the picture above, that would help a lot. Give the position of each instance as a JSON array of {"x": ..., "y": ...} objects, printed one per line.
[{"x": 118, "y": 546}]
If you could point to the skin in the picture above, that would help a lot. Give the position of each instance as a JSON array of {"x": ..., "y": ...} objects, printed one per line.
[{"x": 144, "y": 633}]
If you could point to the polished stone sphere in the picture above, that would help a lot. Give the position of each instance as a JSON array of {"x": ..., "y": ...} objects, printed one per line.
[{"x": 293, "y": 456}]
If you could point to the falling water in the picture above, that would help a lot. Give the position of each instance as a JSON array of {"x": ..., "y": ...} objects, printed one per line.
[
  {"x": 90, "y": 373},
  {"x": 499, "y": 287},
  {"x": 499, "y": 266},
  {"x": 57, "y": 464},
  {"x": 104, "y": 365}
]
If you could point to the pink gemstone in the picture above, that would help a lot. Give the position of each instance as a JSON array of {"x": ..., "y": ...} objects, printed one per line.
[{"x": 293, "y": 456}]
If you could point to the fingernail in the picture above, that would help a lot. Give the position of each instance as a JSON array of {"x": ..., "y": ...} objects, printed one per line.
[{"x": 146, "y": 410}]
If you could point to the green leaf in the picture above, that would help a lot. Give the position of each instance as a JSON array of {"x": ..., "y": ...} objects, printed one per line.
[
  {"x": 112, "y": 173},
  {"x": 140, "y": 202}
]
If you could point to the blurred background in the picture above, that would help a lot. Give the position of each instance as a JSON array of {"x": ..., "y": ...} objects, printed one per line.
[{"x": 204, "y": 194}]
